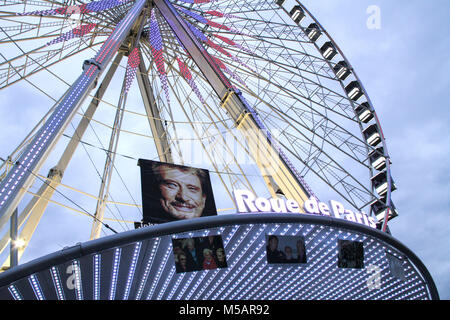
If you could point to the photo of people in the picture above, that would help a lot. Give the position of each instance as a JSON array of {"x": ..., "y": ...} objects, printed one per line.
[
  {"x": 173, "y": 192},
  {"x": 201, "y": 253},
  {"x": 351, "y": 254},
  {"x": 285, "y": 249}
]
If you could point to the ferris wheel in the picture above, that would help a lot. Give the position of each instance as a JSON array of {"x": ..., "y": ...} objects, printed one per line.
[{"x": 255, "y": 91}]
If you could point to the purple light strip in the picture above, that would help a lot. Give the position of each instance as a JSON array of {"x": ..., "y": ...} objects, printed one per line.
[
  {"x": 132, "y": 66},
  {"x": 49, "y": 132},
  {"x": 188, "y": 77},
  {"x": 201, "y": 36},
  {"x": 95, "y": 6},
  {"x": 157, "y": 52},
  {"x": 76, "y": 32}
]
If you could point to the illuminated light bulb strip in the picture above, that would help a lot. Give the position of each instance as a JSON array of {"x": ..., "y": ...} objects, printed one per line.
[
  {"x": 119, "y": 32},
  {"x": 358, "y": 292},
  {"x": 373, "y": 256},
  {"x": 40, "y": 142},
  {"x": 104, "y": 5},
  {"x": 303, "y": 268},
  {"x": 285, "y": 283},
  {"x": 381, "y": 294},
  {"x": 245, "y": 277},
  {"x": 200, "y": 36},
  {"x": 246, "y": 285},
  {"x": 166, "y": 283},
  {"x": 48, "y": 133},
  {"x": 229, "y": 55},
  {"x": 398, "y": 283},
  {"x": 377, "y": 294},
  {"x": 186, "y": 286},
  {"x": 295, "y": 289},
  {"x": 221, "y": 15},
  {"x": 158, "y": 274},
  {"x": 230, "y": 256},
  {"x": 95, "y": 6},
  {"x": 409, "y": 291},
  {"x": 243, "y": 265},
  {"x": 348, "y": 280},
  {"x": 76, "y": 32},
  {"x": 250, "y": 282},
  {"x": 233, "y": 75},
  {"x": 97, "y": 262},
  {"x": 282, "y": 233},
  {"x": 114, "y": 273},
  {"x": 393, "y": 289},
  {"x": 332, "y": 267},
  {"x": 184, "y": 70},
  {"x": 148, "y": 267},
  {"x": 315, "y": 250},
  {"x": 192, "y": 276},
  {"x": 137, "y": 250},
  {"x": 232, "y": 261},
  {"x": 14, "y": 292},
  {"x": 313, "y": 286},
  {"x": 114, "y": 40},
  {"x": 299, "y": 284},
  {"x": 395, "y": 254},
  {"x": 233, "y": 43},
  {"x": 226, "y": 242},
  {"x": 262, "y": 228},
  {"x": 211, "y": 278},
  {"x": 269, "y": 278},
  {"x": 344, "y": 276},
  {"x": 198, "y": 1},
  {"x": 57, "y": 283},
  {"x": 208, "y": 22},
  {"x": 276, "y": 146},
  {"x": 258, "y": 293},
  {"x": 36, "y": 287},
  {"x": 176, "y": 286},
  {"x": 76, "y": 269},
  {"x": 193, "y": 15},
  {"x": 156, "y": 46},
  {"x": 132, "y": 66}
]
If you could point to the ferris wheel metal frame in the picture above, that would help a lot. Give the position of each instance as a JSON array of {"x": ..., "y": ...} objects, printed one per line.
[{"x": 24, "y": 163}]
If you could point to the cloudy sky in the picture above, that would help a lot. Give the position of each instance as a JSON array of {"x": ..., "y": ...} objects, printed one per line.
[{"x": 404, "y": 66}]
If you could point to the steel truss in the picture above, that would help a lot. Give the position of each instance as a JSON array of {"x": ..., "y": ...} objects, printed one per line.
[{"x": 266, "y": 77}]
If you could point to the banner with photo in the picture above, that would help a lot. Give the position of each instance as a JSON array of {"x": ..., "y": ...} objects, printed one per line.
[
  {"x": 285, "y": 249},
  {"x": 173, "y": 192},
  {"x": 199, "y": 253}
]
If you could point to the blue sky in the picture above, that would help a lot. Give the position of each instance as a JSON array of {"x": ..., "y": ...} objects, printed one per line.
[{"x": 404, "y": 67}]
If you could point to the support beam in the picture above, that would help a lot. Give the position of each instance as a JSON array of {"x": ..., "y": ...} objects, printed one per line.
[
  {"x": 14, "y": 260},
  {"x": 156, "y": 124},
  {"x": 109, "y": 166},
  {"x": 38, "y": 204},
  {"x": 269, "y": 158},
  {"x": 21, "y": 176},
  {"x": 133, "y": 42}
]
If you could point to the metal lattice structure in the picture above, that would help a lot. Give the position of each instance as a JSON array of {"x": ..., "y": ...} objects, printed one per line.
[
  {"x": 139, "y": 265},
  {"x": 257, "y": 89}
]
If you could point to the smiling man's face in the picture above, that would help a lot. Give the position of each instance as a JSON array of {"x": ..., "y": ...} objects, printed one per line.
[{"x": 181, "y": 193}]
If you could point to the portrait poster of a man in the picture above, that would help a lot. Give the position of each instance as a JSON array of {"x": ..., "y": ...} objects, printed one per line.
[{"x": 173, "y": 192}]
